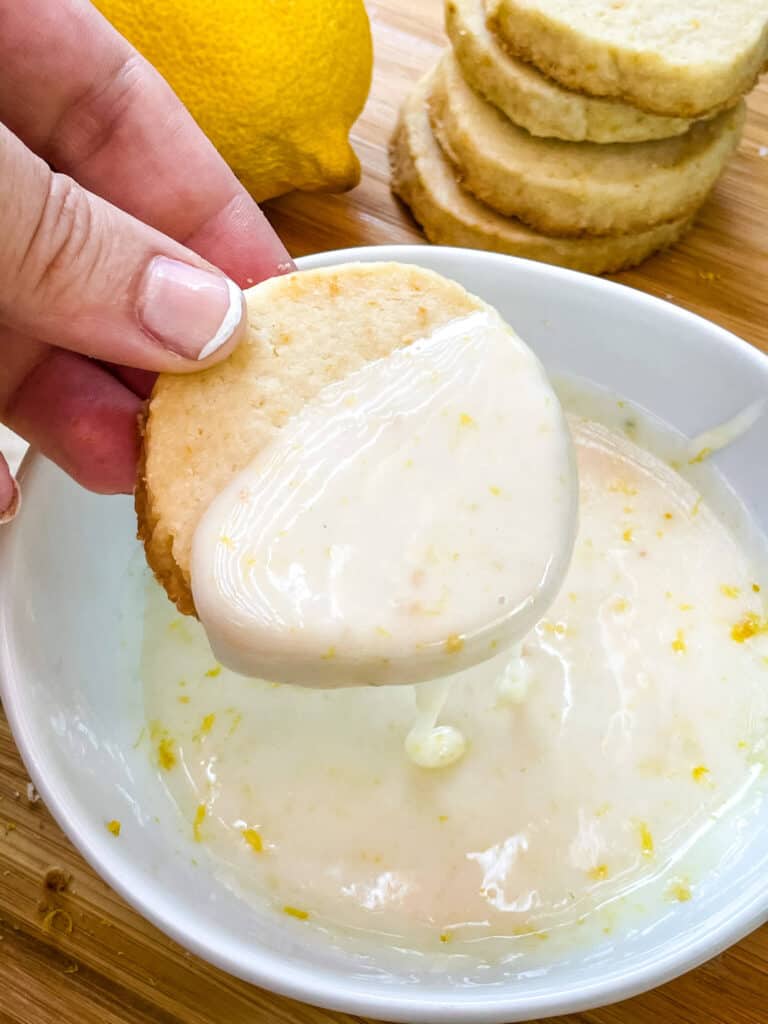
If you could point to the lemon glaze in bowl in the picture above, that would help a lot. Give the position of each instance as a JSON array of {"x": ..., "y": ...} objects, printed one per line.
[{"x": 69, "y": 596}]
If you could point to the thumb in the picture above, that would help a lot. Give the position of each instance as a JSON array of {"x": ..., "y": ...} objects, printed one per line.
[
  {"x": 81, "y": 274},
  {"x": 10, "y": 495}
]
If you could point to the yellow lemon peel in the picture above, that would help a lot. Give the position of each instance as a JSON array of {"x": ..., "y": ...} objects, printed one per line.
[{"x": 275, "y": 86}]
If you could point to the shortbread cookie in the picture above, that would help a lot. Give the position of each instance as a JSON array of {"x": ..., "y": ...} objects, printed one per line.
[
  {"x": 536, "y": 102},
  {"x": 423, "y": 177},
  {"x": 682, "y": 59},
  {"x": 307, "y": 330},
  {"x": 575, "y": 188}
]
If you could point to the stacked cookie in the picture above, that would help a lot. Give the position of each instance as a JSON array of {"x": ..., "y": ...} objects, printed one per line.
[{"x": 586, "y": 134}]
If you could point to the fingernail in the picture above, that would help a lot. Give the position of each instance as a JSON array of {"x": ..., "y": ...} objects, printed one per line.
[
  {"x": 190, "y": 311},
  {"x": 10, "y": 501}
]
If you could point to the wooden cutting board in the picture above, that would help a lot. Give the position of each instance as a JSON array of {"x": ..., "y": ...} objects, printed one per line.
[{"x": 113, "y": 967}]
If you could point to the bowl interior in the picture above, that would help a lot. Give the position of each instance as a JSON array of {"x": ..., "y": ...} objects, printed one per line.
[{"x": 70, "y": 631}]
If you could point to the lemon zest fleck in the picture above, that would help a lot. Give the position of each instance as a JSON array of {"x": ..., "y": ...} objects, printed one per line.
[
  {"x": 213, "y": 672},
  {"x": 253, "y": 838},
  {"x": 728, "y": 591},
  {"x": 599, "y": 872},
  {"x": 556, "y": 628},
  {"x": 453, "y": 644},
  {"x": 200, "y": 813},
  {"x": 756, "y": 587},
  {"x": 206, "y": 725},
  {"x": 495, "y": 491},
  {"x": 700, "y": 457},
  {"x": 183, "y": 699},
  {"x": 114, "y": 827},
  {"x": 465, "y": 420},
  {"x": 678, "y": 644},
  {"x": 646, "y": 839},
  {"x": 627, "y": 535},
  {"x": 621, "y": 487},
  {"x": 751, "y": 625},
  {"x": 523, "y": 929},
  {"x": 296, "y": 912},
  {"x": 329, "y": 654},
  {"x": 529, "y": 931},
  {"x": 166, "y": 756},
  {"x": 699, "y": 773},
  {"x": 226, "y": 541},
  {"x": 679, "y": 890},
  {"x": 445, "y": 936}
]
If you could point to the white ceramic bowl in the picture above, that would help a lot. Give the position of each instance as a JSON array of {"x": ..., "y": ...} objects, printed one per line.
[{"x": 68, "y": 597}]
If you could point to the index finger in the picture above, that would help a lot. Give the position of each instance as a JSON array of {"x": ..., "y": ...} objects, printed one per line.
[{"x": 79, "y": 95}]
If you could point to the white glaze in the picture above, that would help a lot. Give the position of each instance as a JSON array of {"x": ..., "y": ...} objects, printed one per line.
[
  {"x": 641, "y": 739},
  {"x": 428, "y": 744},
  {"x": 414, "y": 519},
  {"x": 723, "y": 434}
]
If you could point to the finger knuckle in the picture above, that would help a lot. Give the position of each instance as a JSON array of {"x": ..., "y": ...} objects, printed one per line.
[
  {"x": 62, "y": 246},
  {"x": 94, "y": 122}
]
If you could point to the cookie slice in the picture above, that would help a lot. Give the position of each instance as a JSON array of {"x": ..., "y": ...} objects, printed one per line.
[
  {"x": 424, "y": 179},
  {"x": 681, "y": 59},
  {"x": 536, "y": 102},
  {"x": 307, "y": 330},
  {"x": 576, "y": 188}
]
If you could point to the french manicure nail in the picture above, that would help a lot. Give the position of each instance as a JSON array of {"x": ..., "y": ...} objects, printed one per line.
[
  {"x": 11, "y": 502},
  {"x": 192, "y": 312}
]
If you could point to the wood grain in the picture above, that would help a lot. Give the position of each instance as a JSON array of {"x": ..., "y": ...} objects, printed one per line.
[{"x": 114, "y": 968}]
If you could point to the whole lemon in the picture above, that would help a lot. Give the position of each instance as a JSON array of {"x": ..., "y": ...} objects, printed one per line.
[{"x": 275, "y": 84}]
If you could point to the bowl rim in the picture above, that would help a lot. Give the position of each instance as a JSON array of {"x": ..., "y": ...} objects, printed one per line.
[{"x": 324, "y": 987}]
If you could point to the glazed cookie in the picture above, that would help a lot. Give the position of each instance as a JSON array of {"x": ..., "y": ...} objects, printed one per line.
[{"x": 307, "y": 330}]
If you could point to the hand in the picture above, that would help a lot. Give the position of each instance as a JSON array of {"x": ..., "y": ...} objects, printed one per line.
[{"x": 103, "y": 260}]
